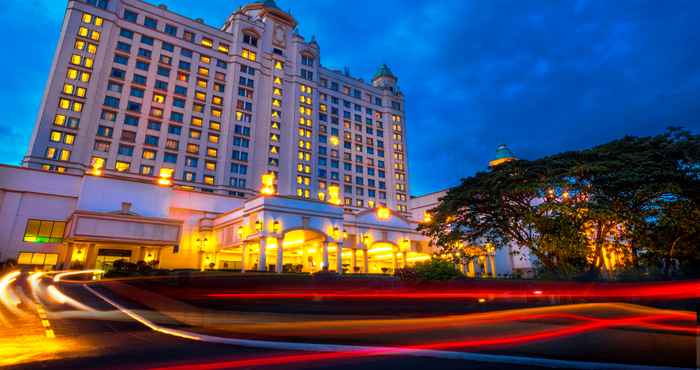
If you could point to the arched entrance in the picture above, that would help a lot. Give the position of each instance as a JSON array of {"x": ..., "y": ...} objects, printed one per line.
[
  {"x": 382, "y": 258},
  {"x": 302, "y": 250}
]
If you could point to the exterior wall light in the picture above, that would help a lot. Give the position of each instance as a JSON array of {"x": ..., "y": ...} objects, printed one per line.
[
  {"x": 334, "y": 194},
  {"x": 97, "y": 166},
  {"x": 383, "y": 213},
  {"x": 258, "y": 226},
  {"x": 165, "y": 177},
  {"x": 275, "y": 226},
  {"x": 268, "y": 184}
]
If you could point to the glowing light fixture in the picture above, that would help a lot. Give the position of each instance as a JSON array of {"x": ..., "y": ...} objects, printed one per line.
[
  {"x": 97, "y": 166},
  {"x": 258, "y": 226},
  {"x": 334, "y": 194},
  {"x": 275, "y": 226},
  {"x": 268, "y": 184},
  {"x": 427, "y": 217},
  {"x": 383, "y": 213},
  {"x": 334, "y": 140},
  {"x": 165, "y": 178}
]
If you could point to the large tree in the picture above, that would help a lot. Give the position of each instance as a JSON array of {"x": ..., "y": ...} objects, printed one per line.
[{"x": 569, "y": 209}]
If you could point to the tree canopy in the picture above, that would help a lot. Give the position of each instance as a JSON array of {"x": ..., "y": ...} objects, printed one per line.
[{"x": 630, "y": 203}]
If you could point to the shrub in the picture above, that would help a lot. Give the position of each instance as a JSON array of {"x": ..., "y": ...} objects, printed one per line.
[{"x": 433, "y": 270}]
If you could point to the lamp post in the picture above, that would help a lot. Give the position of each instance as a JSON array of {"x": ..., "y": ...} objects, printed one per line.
[{"x": 202, "y": 245}]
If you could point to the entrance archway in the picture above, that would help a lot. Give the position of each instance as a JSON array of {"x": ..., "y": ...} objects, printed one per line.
[{"x": 302, "y": 251}]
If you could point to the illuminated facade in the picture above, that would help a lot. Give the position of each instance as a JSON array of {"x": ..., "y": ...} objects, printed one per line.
[
  {"x": 138, "y": 91},
  {"x": 67, "y": 221}
]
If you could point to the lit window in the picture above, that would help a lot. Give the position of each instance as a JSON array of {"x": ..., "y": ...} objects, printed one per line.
[
  {"x": 68, "y": 89},
  {"x": 77, "y": 106},
  {"x": 216, "y": 113},
  {"x": 149, "y": 154},
  {"x": 76, "y": 59},
  {"x": 248, "y": 54},
  {"x": 83, "y": 31},
  {"x": 87, "y": 18},
  {"x": 213, "y": 138},
  {"x": 85, "y": 76},
  {"x": 207, "y": 42},
  {"x": 121, "y": 166},
  {"x": 210, "y": 166},
  {"x": 65, "y": 154},
  {"x": 59, "y": 120},
  {"x": 203, "y": 71},
  {"x": 278, "y": 81},
  {"x": 158, "y": 98},
  {"x": 80, "y": 92},
  {"x": 209, "y": 180},
  {"x": 98, "y": 21},
  {"x": 79, "y": 44},
  {"x": 211, "y": 152},
  {"x": 64, "y": 103},
  {"x": 204, "y": 59},
  {"x": 56, "y": 136},
  {"x": 42, "y": 231},
  {"x": 88, "y": 62},
  {"x": 223, "y": 48},
  {"x": 92, "y": 48},
  {"x": 278, "y": 64},
  {"x": 95, "y": 35},
  {"x": 69, "y": 139}
]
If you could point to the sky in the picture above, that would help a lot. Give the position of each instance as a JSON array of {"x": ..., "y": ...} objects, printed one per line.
[{"x": 540, "y": 76}]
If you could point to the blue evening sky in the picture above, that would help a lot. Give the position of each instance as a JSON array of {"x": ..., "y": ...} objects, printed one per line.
[{"x": 541, "y": 76}]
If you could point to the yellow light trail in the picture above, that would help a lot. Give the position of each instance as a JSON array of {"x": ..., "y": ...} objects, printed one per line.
[
  {"x": 59, "y": 297},
  {"x": 62, "y": 275}
]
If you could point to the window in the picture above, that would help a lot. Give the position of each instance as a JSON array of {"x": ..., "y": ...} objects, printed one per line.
[
  {"x": 130, "y": 15},
  {"x": 109, "y": 101},
  {"x": 250, "y": 39},
  {"x": 126, "y": 150},
  {"x": 189, "y": 36},
  {"x": 154, "y": 125},
  {"x": 104, "y": 131},
  {"x": 168, "y": 46},
  {"x": 248, "y": 54},
  {"x": 150, "y": 23},
  {"x": 170, "y": 158},
  {"x": 207, "y": 42},
  {"x": 146, "y": 170},
  {"x": 146, "y": 40},
  {"x": 43, "y": 231},
  {"x": 307, "y": 60},
  {"x": 121, "y": 166},
  {"x": 126, "y": 33},
  {"x": 151, "y": 140}
]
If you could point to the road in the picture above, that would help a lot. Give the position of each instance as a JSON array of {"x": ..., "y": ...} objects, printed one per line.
[{"x": 57, "y": 325}]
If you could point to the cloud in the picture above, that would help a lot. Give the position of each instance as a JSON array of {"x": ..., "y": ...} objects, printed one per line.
[{"x": 540, "y": 76}]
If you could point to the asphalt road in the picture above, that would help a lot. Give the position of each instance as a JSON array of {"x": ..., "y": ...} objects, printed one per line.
[{"x": 101, "y": 337}]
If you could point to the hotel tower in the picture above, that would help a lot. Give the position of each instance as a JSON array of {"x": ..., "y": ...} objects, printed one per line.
[{"x": 138, "y": 91}]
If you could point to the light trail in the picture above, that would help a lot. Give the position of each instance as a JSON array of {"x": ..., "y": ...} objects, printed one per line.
[
  {"x": 61, "y": 298},
  {"x": 665, "y": 290},
  {"x": 8, "y": 297},
  {"x": 436, "y": 350},
  {"x": 62, "y": 275}
]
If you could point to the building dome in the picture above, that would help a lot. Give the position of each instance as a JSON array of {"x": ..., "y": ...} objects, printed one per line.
[
  {"x": 503, "y": 155},
  {"x": 383, "y": 71},
  {"x": 267, "y": 3}
]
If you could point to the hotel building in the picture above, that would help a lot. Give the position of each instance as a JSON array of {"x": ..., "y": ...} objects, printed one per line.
[
  {"x": 164, "y": 140},
  {"x": 136, "y": 90},
  {"x": 160, "y": 138}
]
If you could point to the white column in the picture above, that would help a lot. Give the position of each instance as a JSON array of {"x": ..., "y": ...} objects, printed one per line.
[
  {"x": 325, "y": 256},
  {"x": 244, "y": 250},
  {"x": 339, "y": 253},
  {"x": 493, "y": 265},
  {"x": 280, "y": 255},
  {"x": 396, "y": 262},
  {"x": 354, "y": 260},
  {"x": 262, "y": 260},
  {"x": 365, "y": 256}
]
